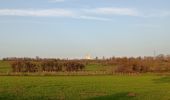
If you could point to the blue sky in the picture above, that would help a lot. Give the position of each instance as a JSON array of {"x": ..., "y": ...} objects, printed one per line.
[{"x": 74, "y": 28}]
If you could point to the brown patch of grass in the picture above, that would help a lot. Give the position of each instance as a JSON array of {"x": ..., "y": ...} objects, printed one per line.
[{"x": 131, "y": 94}]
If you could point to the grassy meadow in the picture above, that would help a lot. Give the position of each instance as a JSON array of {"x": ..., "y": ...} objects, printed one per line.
[
  {"x": 5, "y": 67},
  {"x": 91, "y": 87},
  {"x": 144, "y": 87}
]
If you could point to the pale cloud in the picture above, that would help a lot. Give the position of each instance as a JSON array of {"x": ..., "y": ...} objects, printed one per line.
[
  {"x": 113, "y": 11},
  {"x": 160, "y": 14},
  {"x": 93, "y": 18},
  {"x": 38, "y": 13},
  {"x": 48, "y": 13},
  {"x": 101, "y": 14}
]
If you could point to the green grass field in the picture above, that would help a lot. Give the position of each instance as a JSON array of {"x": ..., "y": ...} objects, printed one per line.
[
  {"x": 5, "y": 67},
  {"x": 98, "y": 67},
  {"x": 145, "y": 87},
  {"x": 101, "y": 87}
]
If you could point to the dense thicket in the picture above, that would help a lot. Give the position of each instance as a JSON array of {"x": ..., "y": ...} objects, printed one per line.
[
  {"x": 146, "y": 64},
  {"x": 160, "y": 63},
  {"x": 46, "y": 66}
]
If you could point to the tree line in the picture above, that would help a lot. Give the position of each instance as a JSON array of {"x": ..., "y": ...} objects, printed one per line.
[
  {"x": 46, "y": 66},
  {"x": 160, "y": 63}
]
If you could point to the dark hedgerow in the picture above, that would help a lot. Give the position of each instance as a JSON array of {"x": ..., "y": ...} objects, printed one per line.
[{"x": 46, "y": 66}]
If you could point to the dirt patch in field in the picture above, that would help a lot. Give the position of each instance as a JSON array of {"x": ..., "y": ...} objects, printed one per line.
[{"x": 131, "y": 94}]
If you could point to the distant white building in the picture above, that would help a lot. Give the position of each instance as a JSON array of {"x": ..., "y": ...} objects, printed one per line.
[{"x": 88, "y": 57}]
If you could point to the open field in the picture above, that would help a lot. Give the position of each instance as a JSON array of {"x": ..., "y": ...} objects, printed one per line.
[
  {"x": 5, "y": 67},
  {"x": 93, "y": 85},
  {"x": 144, "y": 87}
]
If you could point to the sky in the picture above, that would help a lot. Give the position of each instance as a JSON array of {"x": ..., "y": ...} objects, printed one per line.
[{"x": 74, "y": 28}]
